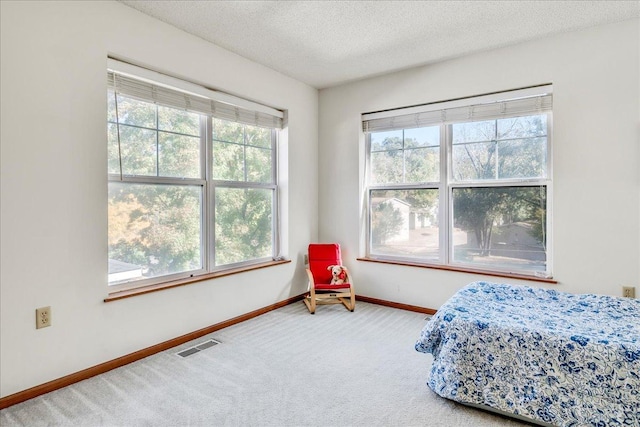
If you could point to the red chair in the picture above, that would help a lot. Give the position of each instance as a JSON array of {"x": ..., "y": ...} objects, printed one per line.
[{"x": 321, "y": 258}]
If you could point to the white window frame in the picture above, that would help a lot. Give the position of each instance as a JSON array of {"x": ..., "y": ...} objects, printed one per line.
[
  {"x": 225, "y": 107},
  {"x": 444, "y": 114}
]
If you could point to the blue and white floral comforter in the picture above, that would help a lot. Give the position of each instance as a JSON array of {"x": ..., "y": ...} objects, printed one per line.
[{"x": 553, "y": 357}]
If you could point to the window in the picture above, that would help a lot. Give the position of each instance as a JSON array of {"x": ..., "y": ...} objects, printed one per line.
[
  {"x": 192, "y": 181},
  {"x": 245, "y": 192},
  {"x": 464, "y": 183}
]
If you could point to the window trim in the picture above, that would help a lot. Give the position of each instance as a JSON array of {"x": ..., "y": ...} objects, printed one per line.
[
  {"x": 458, "y": 269},
  {"x": 447, "y": 183},
  {"x": 141, "y": 290}
]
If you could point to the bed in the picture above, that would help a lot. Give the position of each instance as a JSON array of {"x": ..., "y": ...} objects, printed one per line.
[{"x": 550, "y": 357}]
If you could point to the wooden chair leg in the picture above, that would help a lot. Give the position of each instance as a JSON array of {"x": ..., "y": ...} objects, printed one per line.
[{"x": 310, "y": 301}]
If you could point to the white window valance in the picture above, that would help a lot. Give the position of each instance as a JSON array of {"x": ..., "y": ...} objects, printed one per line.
[
  {"x": 147, "y": 85},
  {"x": 521, "y": 102}
]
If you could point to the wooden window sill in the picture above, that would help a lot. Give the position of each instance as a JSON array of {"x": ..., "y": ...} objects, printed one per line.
[
  {"x": 114, "y": 296},
  {"x": 463, "y": 270}
]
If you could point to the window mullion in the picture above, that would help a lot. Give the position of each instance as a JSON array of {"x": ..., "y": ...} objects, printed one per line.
[
  {"x": 243, "y": 184},
  {"x": 497, "y": 149},
  {"x": 404, "y": 159},
  {"x": 367, "y": 193},
  {"x": 150, "y": 179},
  {"x": 445, "y": 216},
  {"x": 244, "y": 152},
  {"x": 276, "y": 243},
  {"x": 157, "y": 130},
  {"x": 205, "y": 154},
  {"x": 210, "y": 191},
  {"x": 549, "y": 189}
]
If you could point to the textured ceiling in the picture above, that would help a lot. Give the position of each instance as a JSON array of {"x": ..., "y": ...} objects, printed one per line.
[{"x": 325, "y": 43}]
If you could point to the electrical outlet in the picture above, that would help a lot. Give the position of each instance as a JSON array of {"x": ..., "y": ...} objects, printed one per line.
[
  {"x": 43, "y": 317},
  {"x": 306, "y": 259},
  {"x": 628, "y": 291}
]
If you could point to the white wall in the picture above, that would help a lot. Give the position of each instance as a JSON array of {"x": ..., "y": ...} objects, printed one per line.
[
  {"x": 596, "y": 157},
  {"x": 54, "y": 188}
]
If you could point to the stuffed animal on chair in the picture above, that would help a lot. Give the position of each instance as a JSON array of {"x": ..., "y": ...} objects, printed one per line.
[{"x": 338, "y": 274}]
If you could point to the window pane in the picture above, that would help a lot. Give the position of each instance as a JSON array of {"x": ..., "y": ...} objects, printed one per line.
[
  {"x": 111, "y": 106},
  {"x": 178, "y": 155},
  {"x": 258, "y": 165},
  {"x": 113, "y": 165},
  {"x": 404, "y": 223},
  {"x": 500, "y": 227},
  {"x": 178, "y": 121},
  {"x": 228, "y": 161},
  {"x": 386, "y": 167},
  {"x": 248, "y": 155},
  {"x": 522, "y": 127},
  {"x": 474, "y": 161},
  {"x": 405, "y": 156},
  {"x": 474, "y": 132},
  {"x": 501, "y": 149},
  {"x": 154, "y": 230},
  {"x": 138, "y": 150},
  {"x": 258, "y": 137},
  {"x": 228, "y": 131},
  {"x": 137, "y": 113},
  {"x": 522, "y": 158},
  {"x": 422, "y": 137},
  {"x": 243, "y": 225},
  {"x": 391, "y": 140},
  {"x": 422, "y": 165}
]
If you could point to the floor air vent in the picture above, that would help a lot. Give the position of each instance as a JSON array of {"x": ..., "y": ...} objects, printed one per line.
[{"x": 195, "y": 349}]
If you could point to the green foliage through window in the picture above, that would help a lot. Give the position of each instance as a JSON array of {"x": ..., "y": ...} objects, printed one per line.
[{"x": 161, "y": 215}]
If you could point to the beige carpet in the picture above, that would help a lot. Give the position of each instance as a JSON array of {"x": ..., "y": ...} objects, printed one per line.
[{"x": 284, "y": 368}]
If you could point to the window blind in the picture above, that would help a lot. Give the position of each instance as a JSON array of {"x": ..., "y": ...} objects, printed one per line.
[
  {"x": 205, "y": 101},
  {"x": 506, "y": 104}
]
